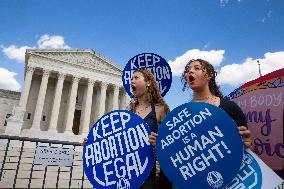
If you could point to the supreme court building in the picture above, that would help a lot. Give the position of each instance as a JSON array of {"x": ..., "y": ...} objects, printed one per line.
[{"x": 65, "y": 91}]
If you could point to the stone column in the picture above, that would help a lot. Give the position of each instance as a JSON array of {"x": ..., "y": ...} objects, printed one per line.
[
  {"x": 87, "y": 108},
  {"x": 122, "y": 101},
  {"x": 115, "y": 98},
  {"x": 26, "y": 89},
  {"x": 40, "y": 100},
  {"x": 125, "y": 101},
  {"x": 71, "y": 105},
  {"x": 102, "y": 99},
  {"x": 56, "y": 103}
]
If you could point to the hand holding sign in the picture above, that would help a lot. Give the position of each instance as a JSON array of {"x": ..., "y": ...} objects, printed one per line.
[
  {"x": 118, "y": 152},
  {"x": 198, "y": 145}
]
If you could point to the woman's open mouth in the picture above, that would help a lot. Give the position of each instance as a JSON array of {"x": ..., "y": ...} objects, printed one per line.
[
  {"x": 191, "y": 78},
  {"x": 133, "y": 88}
]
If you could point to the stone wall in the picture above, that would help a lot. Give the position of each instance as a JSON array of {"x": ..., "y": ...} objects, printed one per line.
[{"x": 8, "y": 99}]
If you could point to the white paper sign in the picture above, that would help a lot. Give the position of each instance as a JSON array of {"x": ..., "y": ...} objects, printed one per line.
[{"x": 54, "y": 156}]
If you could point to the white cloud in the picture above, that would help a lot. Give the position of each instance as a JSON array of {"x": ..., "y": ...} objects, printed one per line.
[
  {"x": 7, "y": 80},
  {"x": 237, "y": 74},
  {"x": 15, "y": 53},
  {"x": 45, "y": 41},
  {"x": 215, "y": 57},
  {"x": 52, "y": 42},
  {"x": 266, "y": 17},
  {"x": 223, "y": 2}
]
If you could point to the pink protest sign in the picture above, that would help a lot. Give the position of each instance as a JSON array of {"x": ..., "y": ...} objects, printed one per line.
[{"x": 262, "y": 101}]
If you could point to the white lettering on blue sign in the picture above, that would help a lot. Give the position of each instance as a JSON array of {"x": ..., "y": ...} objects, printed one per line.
[
  {"x": 249, "y": 175},
  {"x": 107, "y": 148},
  {"x": 195, "y": 142},
  {"x": 185, "y": 128},
  {"x": 153, "y": 63},
  {"x": 144, "y": 61},
  {"x": 199, "y": 163},
  {"x": 120, "y": 151}
]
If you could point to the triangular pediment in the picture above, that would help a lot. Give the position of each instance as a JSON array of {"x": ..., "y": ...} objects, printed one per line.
[{"x": 80, "y": 57}]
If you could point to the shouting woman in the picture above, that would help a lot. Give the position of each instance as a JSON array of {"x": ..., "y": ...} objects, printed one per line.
[
  {"x": 199, "y": 75},
  {"x": 149, "y": 105}
]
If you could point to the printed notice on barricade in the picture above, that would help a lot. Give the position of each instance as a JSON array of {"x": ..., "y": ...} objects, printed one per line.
[
  {"x": 154, "y": 63},
  {"x": 53, "y": 156},
  {"x": 117, "y": 153},
  {"x": 198, "y": 146}
]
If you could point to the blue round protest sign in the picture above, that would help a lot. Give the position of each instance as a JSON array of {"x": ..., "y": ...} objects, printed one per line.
[
  {"x": 117, "y": 153},
  {"x": 154, "y": 63},
  {"x": 198, "y": 146},
  {"x": 249, "y": 175}
]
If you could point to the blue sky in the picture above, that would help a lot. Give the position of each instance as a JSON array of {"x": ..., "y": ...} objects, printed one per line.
[{"x": 231, "y": 34}]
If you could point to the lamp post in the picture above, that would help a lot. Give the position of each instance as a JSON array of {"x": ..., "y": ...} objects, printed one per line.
[{"x": 259, "y": 70}]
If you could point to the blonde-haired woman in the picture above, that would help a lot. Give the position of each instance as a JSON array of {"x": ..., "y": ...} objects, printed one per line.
[{"x": 150, "y": 106}]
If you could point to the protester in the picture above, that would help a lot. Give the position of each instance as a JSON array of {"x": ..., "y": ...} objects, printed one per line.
[
  {"x": 199, "y": 75},
  {"x": 149, "y": 105}
]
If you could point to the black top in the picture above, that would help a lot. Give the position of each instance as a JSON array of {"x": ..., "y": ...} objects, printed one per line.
[
  {"x": 234, "y": 111},
  {"x": 151, "y": 119}
]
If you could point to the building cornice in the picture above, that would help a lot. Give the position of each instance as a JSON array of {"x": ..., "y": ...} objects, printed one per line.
[
  {"x": 10, "y": 94},
  {"x": 90, "y": 51}
]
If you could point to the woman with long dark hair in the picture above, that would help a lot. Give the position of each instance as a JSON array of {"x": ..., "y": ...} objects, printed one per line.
[{"x": 199, "y": 75}]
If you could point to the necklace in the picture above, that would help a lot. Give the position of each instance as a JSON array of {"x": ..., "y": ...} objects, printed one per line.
[
  {"x": 141, "y": 110},
  {"x": 209, "y": 99},
  {"x": 202, "y": 99}
]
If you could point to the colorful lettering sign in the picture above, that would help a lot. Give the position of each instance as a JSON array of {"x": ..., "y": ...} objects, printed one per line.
[{"x": 262, "y": 101}]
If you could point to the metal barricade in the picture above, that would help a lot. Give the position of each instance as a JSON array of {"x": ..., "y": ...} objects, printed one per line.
[{"x": 17, "y": 169}]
